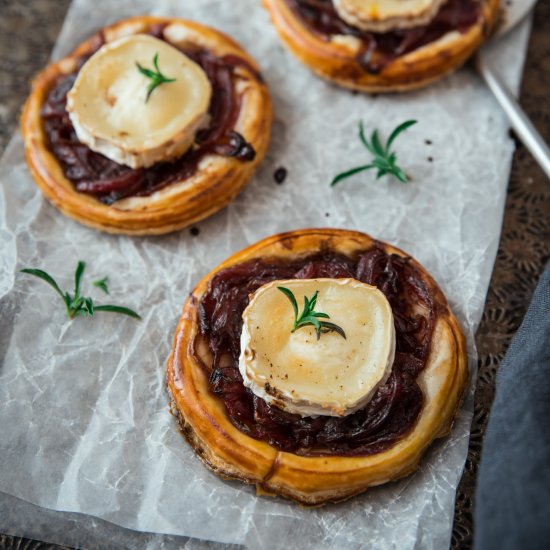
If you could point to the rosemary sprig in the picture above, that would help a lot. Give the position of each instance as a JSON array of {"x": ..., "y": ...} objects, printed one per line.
[
  {"x": 156, "y": 77},
  {"x": 384, "y": 160},
  {"x": 76, "y": 304},
  {"x": 310, "y": 317}
]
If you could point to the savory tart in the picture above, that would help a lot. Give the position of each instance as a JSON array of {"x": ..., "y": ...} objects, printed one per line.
[
  {"x": 320, "y": 403},
  {"x": 383, "y": 46},
  {"x": 150, "y": 125}
]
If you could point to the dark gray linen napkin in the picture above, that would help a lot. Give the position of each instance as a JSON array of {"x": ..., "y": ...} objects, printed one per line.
[{"x": 512, "y": 501}]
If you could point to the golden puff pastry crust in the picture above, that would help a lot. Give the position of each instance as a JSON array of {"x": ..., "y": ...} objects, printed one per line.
[
  {"x": 215, "y": 183},
  {"x": 335, "y": 58},
  {"x": 310, "y": 480}
]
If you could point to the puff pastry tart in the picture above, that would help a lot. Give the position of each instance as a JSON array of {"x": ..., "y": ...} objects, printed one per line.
[
  {"x": 148, "y": 126},
  {"x": 383, "y": 45},
  {"x": 319, "y": 410}
]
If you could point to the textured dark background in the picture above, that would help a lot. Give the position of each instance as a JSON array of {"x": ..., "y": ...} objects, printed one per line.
[{"x": 28, "y": 29}]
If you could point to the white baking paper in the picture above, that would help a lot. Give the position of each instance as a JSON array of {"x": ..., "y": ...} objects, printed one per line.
[{"x": 84, "y": 421}]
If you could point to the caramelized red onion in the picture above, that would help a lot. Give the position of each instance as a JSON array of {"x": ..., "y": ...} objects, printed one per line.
[
  {"x": 379, "y": 49},
  {"x": 395, "y": 407},
  {"x": 95, "y": 174}
]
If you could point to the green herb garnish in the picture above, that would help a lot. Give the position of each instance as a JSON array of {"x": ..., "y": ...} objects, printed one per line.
[
  {"x": 157, "y": 78},
  {"x": 384, "y": 160},
  {"x": 310, "y": 317},
  {"x": 102, "y": 284},
  {"x": 77, "y": 304}
]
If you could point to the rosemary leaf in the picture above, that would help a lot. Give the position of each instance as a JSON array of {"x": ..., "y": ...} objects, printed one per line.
[
  {"x": 118, "y": 309},
  {"x": 45, "y": 277},
  {"x": 81, "y": 266},
  {"x": 102, "y": 284},
  {"x": 349, "y": 173}
]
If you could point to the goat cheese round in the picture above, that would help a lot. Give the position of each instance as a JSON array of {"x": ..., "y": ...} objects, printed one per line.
[
  {"x": 387, "y": 15},
  {"x": 299, "y": 373},
  {"x": 112, "y": 115}
]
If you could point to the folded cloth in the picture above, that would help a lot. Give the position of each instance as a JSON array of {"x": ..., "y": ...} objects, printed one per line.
[{"x": 512, "y": 501}]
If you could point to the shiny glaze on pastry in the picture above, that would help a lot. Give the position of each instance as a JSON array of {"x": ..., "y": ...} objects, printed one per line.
[{"x": 314, "y": 460}]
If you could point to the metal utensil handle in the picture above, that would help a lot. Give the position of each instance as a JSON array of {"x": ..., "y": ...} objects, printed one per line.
[{"x": 518, "y": 119}]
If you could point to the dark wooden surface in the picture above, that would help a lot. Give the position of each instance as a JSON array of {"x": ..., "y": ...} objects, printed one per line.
[{"x": 28, "y": 29}]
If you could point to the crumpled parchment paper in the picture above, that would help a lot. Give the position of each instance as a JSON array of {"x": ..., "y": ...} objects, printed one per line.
[{"x": 84, "y": 422}]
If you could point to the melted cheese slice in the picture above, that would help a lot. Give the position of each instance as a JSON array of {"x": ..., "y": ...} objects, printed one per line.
[
  {"x": 108, "y": 109},
  {"x": 331, "y": 376},
  {"x": 387, "y": 15}
]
